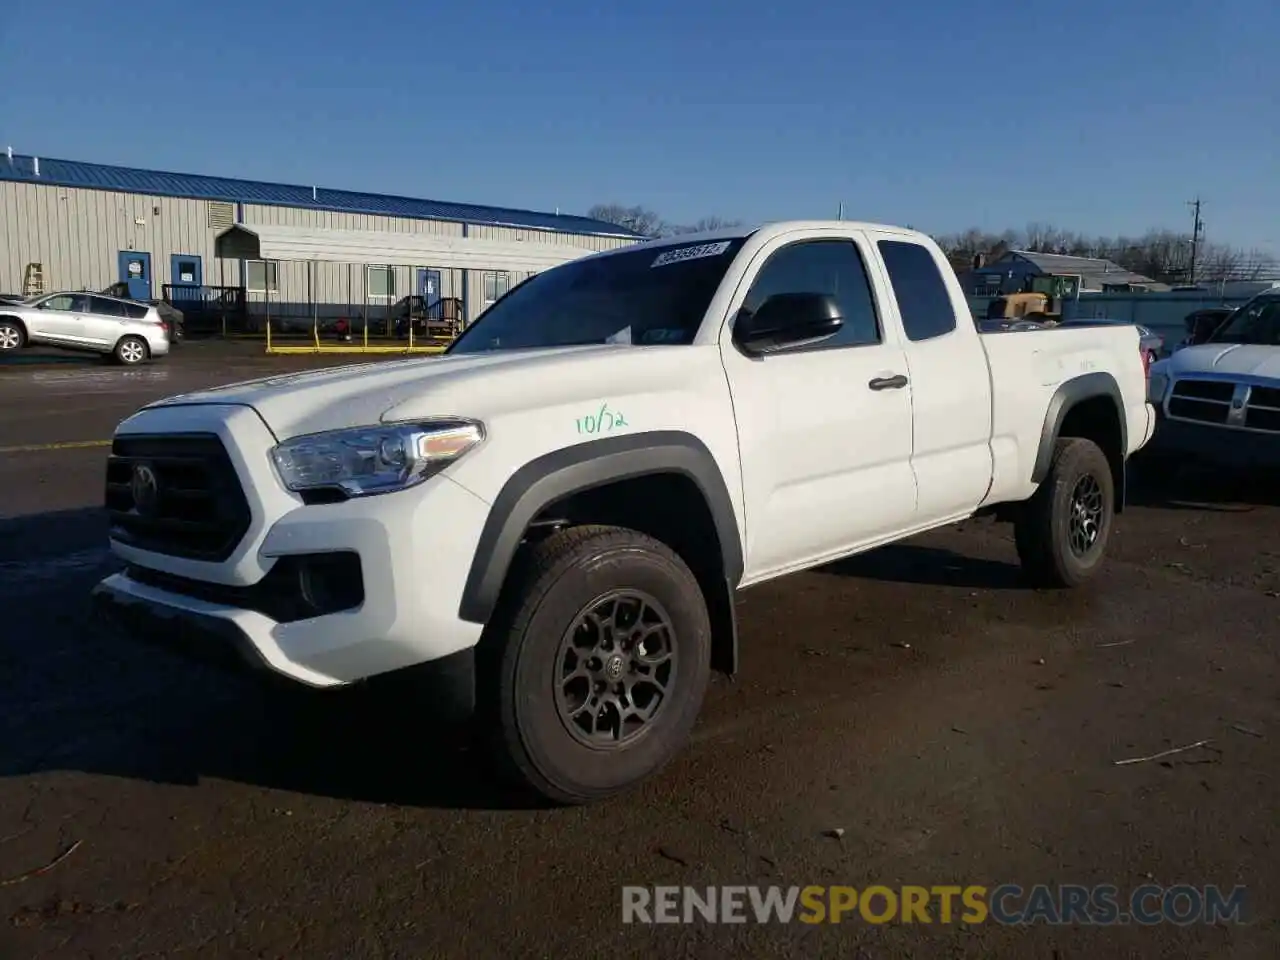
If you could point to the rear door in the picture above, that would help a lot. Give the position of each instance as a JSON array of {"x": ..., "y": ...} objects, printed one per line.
[
  {"x": 950, "y": 380},
  {"x": 104, "y": 322}
]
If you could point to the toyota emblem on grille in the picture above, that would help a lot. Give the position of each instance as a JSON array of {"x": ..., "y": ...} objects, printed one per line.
[{"x": 145, "y": 487}]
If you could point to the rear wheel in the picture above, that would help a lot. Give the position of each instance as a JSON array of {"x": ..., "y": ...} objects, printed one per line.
[
  {"x": 131, "y": 351},
  {"x": 1063, "y": 530},
  {"x": 12, "y": 336},
  {"x": 599, "y": 663}
]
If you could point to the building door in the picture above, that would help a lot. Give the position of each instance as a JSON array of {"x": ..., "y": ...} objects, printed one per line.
[
  {"x": 185, "y": 277},
  {"x": 135, "y": 270},
  {"x": 428, "y": 285}
]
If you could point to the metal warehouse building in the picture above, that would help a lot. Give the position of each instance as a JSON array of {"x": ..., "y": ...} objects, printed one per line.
[{"x": 70, "y": 225}]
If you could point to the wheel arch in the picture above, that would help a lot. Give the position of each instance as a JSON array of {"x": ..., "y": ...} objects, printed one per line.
[
  {"x": 115, "y": 348},
  {"x": 615, "y": 469},
  {"x": 1090, "y": 406},
  {"x": 26, "y": 334}
]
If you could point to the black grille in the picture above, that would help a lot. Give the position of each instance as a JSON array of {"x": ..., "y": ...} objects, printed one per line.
[
  {"x": 1262, "y": 419},
  {"x": 197, "y": 509},
  {"x": 296, "y": 588},
  {"x": 1204, "y": 411},
  {"x": 1205, "y": 390},
  {"x": 1265, "y": 397}
]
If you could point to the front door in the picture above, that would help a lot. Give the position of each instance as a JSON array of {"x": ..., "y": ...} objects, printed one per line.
[
  {"x": 135, "y": 270},
  {"x": 428, "y": 286},
  {"x": 185, "y": 277},
  {"x": 825, "y": 451},
  {"x": 60, "y": 319}
]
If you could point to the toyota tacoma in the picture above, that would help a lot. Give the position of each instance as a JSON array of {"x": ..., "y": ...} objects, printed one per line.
[{"x": 556, "y": 514}]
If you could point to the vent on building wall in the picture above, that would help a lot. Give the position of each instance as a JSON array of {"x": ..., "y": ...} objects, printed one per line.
[{"x": 221, "y": 214}]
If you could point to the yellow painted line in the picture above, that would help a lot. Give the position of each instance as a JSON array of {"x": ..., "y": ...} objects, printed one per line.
[
  {"x": 64, "y": 445},
  {"x": 283, "y": 351}
]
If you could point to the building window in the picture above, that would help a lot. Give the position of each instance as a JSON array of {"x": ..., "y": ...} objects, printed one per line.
[
  {"x": 261, "y": 276},
  {"x": 379, "y": 282},
  {"x": 496, "y": 283}
]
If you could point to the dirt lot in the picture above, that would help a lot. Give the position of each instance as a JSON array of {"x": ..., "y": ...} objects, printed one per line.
[{"x": 950, "y": 725}]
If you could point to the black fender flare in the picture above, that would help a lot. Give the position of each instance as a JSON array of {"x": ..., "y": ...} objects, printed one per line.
[
  {"x": 1070, "y": 393},
  {"x": 570, "y": 470}
]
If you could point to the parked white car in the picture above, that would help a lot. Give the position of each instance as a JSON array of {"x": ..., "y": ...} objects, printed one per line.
[
  {"x": 129, "y": 331},
  {"x": 557, "y": 514},
  {"x": 1219, "y": 401}
]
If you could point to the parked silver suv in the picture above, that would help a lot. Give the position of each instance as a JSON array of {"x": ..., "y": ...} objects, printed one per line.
[{"x": 129, "y": 331}]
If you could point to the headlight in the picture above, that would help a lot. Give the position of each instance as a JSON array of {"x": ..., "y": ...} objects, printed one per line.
[{"x": 376, "y": 459}]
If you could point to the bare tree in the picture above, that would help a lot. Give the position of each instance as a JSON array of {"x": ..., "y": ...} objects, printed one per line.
[
  {"x": 705, "y": 225},
  {"x": 643, "y": 221},
  {"x": 647, "y": 223},
  {"x": 1162, "y": 255}
]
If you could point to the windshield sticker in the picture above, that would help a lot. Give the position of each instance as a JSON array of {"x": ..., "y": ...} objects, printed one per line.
[
  {"x": 603, "y": 420},
  {"x": 691, "y": 253}
]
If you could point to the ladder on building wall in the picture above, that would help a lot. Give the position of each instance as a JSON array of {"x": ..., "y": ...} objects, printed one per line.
[{"x": 33, "y": 280}]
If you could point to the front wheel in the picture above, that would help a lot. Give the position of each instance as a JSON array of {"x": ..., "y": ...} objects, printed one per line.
[
  {"x": 11, "y": 336},
  {"x": 599, "y": 663},
  {"x": 131, "y": 351},
  {"x": 1062, "y": 531}
]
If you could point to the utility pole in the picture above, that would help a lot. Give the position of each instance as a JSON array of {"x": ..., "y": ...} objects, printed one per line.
[{"x": 1197, "y": 233}]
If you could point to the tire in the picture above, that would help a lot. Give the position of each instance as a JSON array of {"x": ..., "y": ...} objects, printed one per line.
[
  {"x": 12, "y": 337},
  {"x": 131, "y": 351},
  {"x": 1079, "y": 487},
  {"x": 541, "y": 731}
]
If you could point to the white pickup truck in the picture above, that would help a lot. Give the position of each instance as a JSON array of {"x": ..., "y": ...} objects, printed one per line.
[{"x": 556, "y": 514}]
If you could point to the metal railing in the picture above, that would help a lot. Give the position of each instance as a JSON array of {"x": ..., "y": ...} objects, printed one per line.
[{"x": 209, "y": 310}]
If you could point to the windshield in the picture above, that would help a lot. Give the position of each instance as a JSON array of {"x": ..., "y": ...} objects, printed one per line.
[
  {"x": 1256, "y": 323},
  {"x": 636, "y": 297}
]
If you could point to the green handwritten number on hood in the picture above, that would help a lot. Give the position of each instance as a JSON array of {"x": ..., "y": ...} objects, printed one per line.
[{"x": 603, "y": 420}]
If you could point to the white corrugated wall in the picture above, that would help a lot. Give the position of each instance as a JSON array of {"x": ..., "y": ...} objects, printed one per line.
[{"x": 77, "y": 235}]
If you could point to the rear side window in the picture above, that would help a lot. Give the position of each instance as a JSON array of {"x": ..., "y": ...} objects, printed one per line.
[
  {"x": 106, "y": 308},
  {"x": 135, "y": 311},
  {"x": 919, "y": 289},
  {"x": 822, "y": 266}
]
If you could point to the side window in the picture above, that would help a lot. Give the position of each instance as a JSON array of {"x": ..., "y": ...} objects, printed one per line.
[
  {"x": 919, "y": 289},
  {"x": 822, "y": 266},
  {"x": 61, "y": 302},
  {"x": 134, "y": 311},
  {"x": 80, "y": 303},
  {"x": 106, "y": 308}
]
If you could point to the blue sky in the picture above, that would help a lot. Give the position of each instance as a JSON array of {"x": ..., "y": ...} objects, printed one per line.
[{"x": 1103, "y": 117}]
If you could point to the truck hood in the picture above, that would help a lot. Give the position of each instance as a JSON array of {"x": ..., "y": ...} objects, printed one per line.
[
  {"x": 467, "y": 385},
  {"x": 1228, "y": 358}
]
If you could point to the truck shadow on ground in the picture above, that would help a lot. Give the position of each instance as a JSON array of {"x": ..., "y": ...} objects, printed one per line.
[
  {"x": 923, "y": 565},
  {"x": 77, "y": 696},
  {"x": 1170, "y": 484}
]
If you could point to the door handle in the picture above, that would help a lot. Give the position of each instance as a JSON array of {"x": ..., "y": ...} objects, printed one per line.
[{"x": 888, "y": 383}]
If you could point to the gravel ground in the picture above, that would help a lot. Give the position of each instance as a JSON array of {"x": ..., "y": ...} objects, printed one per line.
[{"x": 911, "y": 716}]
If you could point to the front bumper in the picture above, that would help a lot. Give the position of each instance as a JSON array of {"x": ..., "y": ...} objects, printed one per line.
[
  {"x": 415, "y": 548},
  {"x": 1217, "y": 445},
  {"x": 203, "y": 633}
]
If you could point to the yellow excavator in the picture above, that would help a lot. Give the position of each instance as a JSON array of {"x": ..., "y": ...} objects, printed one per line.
[{"x": 1042, "y": 303}]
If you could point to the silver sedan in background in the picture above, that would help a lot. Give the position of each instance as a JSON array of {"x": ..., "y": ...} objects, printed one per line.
[{"x": 126, "y": 330}]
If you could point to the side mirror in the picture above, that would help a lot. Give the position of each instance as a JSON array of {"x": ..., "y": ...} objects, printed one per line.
[{"x": 787, "y": 320}]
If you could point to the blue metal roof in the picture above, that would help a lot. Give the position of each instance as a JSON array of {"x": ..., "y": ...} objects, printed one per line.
[{"x": 75, "y": 173}]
